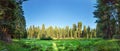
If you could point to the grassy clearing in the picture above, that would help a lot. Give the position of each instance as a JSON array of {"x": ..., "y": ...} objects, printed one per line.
[{"x": 62, "y": 45}]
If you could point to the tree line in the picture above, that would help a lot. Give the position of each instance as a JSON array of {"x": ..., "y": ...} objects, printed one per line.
[{"x": 61, "y": 33}]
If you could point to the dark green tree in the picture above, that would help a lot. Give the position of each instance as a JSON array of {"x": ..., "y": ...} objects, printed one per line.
[
  {"x": 12, "y": 21},
  {"x": 107, "y": 17}
]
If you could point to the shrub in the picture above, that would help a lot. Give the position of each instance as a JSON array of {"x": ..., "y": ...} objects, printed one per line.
[
  {"x": 116, "y": 36},
  {"x": 46, "y": 38}
]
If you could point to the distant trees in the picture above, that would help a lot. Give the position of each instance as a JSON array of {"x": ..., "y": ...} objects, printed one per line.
[
  {"x": 79, "y": 29},
  {"x": 12, "y": 21},
  {"x": 88, "y": 32},
  {"x": 74, "y": 28},
  {"x": 84, "y": 32},
  {"x": 43, "y": 29},
  {"x": 67, "y": 32},
  {"x": 56, "y": 32},
  {"x": 61, "y": 33},
  {"x": 108, "y": 18},
  {"x": 93, "y": 33}
]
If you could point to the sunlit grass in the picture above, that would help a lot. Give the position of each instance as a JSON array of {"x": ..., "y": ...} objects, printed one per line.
[{"x": 62, "y": 45}]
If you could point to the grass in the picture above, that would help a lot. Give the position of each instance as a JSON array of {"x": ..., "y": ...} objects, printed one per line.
[{"x": 61, "y": 45}]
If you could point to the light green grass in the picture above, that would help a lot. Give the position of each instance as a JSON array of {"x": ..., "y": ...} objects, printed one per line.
[{"x": 62, "y": 45}]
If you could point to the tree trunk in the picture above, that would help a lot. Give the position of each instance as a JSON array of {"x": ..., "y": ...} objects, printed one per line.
[{"x": 4, "y": 36}]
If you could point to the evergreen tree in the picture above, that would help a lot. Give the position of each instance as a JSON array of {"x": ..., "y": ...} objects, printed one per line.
[
  {"x": 93, "y": 33},
  {"x": 39, "y": 32},
  {"x": 67, "y": 31},
  {"x": 107, "y": 17},
  {"x": 56, "y": 32},
  {"x": 71, "y": 33},
  {"x": 88, "y": 32},
  {"x": 50, "y": 32},
  {"x": 43, "y": 29},
  {"x": 84, "y": 32},
  {"x": 12, "y": 21},
  {"x": 74, "y": 30},
  {"x": 79, "y": 29}
]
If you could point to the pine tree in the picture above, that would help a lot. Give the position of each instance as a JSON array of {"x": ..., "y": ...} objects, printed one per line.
[
  {"x": 56, "y": 32},
  {"x": 50, "y": 32},
  {"x": 84, "y": 32},
  {"x": 107, "y": 17},
  {"x": 74, "y": 30},
  {"x": 88, "y": 32},
  {"x": 43, "y": 29},
  {"x": 79, "y": 29},
  {"x": 12, "y": 21},
  {"x": 71, "y": 33},
  {"x": 93, "y": 33},
  {"x": 67, "y": 31}
]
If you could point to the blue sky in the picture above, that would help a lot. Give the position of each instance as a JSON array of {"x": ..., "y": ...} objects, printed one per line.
[{"x": 59, "y": 13}]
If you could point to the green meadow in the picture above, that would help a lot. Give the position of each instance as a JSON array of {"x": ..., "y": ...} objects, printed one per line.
[{"x": 61, "y": 45}]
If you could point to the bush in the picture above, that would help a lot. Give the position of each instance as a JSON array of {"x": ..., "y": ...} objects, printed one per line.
[
  {"x": 116, "y": 36},
  {"x": 46, "y": 38}
]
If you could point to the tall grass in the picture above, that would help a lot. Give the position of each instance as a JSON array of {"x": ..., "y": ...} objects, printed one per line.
[{"x": 62, "y": 45}]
